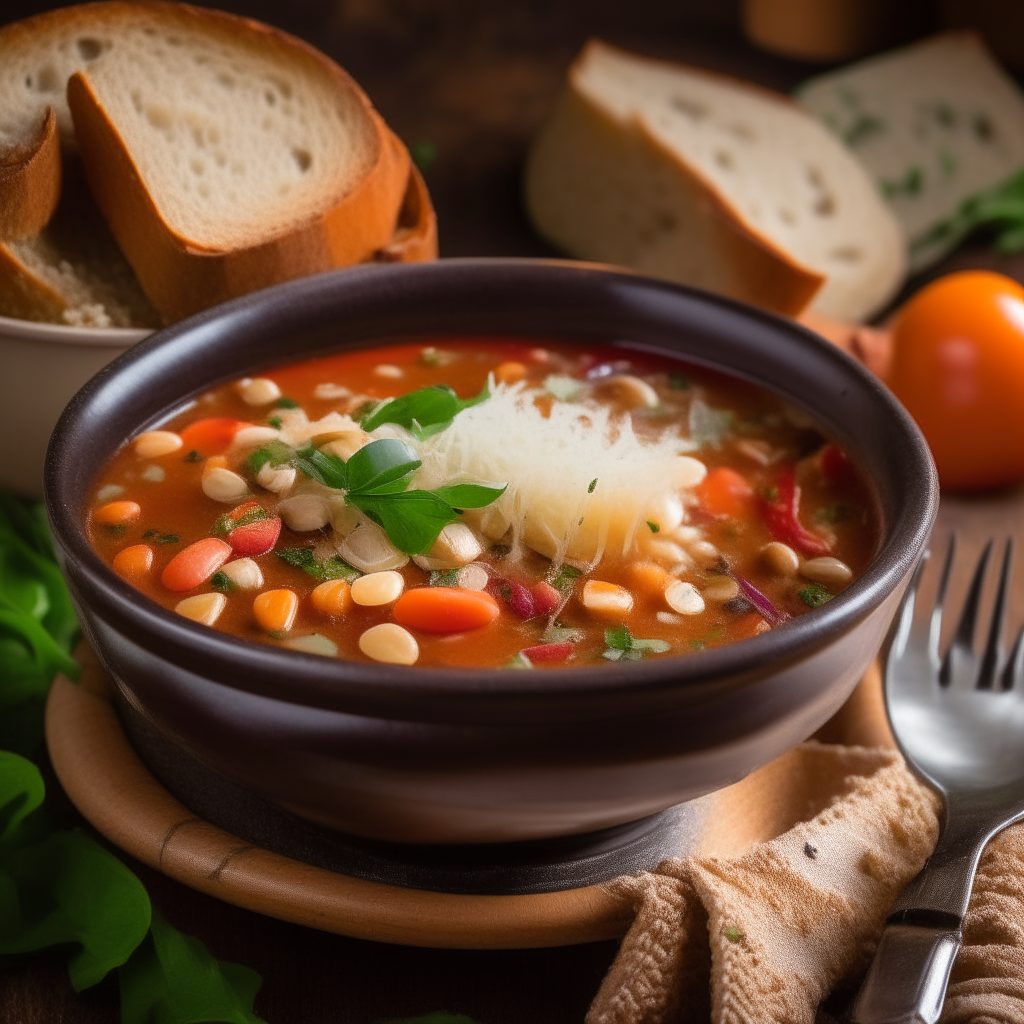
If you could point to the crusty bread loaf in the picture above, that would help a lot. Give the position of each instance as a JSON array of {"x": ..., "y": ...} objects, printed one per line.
[
  {"x": 227, "y": 156},
  {"x": 30, "y": 181},
  {"x": 691, "y": 176},
  {"x": 72, "y": 272},
  {"x": 415, "y": 236}
]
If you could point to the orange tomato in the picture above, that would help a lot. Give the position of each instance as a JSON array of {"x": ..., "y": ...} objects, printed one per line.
[{"x": 958, "y": 367}]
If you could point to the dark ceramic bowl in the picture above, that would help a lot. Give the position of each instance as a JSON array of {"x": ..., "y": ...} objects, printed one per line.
[{"x": 431, "y": 756}]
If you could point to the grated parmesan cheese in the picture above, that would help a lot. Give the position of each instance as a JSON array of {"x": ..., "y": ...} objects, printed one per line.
[{"x": 550, "y": 462}]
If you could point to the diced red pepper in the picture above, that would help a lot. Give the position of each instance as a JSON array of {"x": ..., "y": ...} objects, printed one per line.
[
  {"x": 256, "y": 537},
  {"x": 548, "y": 652},
  {"x": 781, "y": 514},
  {"x": 546, "y": 598},
  {"x": 836, "y": 466}
]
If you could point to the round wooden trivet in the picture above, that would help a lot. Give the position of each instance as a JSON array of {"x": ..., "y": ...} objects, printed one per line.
[
  {"x": 107, "y": 782},
  {"x": 109, "y": 785}
]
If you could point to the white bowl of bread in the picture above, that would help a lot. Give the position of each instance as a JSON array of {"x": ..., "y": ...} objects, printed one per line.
[{"x": 157, "y": 159}]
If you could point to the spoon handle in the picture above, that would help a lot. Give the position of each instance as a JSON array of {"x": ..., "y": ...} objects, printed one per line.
[{"x": 906, "y": 983}]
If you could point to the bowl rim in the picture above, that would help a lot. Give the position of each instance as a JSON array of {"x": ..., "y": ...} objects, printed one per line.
[
  {"x": 67, "y": 334},
  {"x": 424, "y": 693}
]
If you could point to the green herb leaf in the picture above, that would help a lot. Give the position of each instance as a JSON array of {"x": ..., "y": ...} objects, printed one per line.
[
  {"x": 275, "y": 421},
  {"x": 622, "y": 644},
  {"x": 328, "y": 469},
  {"x": 286, "y": 403},
  {"x": 679, "y": 382},
  {"x": 814, "y": 596},
  {"x": 168, "y": 538},
  {"x": 444, "y": 578},
  {"x": 470, "y": 495},
  {"x": 653, "y": 527},
  {"x": 275, "y": 454},
  {"x": 733, "y": 934},
  {"x": 193, "y": 456},
  {"x": 423, "y": 412},
  {"x": 223, "y": 582},
  {"x": 412, "y": 519},
  {"x": 618, "y": 637},
  {"x": 379, "y": 464},
  {"x": 173, "y": 979},
  {"x": 565, "y": 578},
  {"x": 563, "y": 387},
  {"x": 593, "y": 484},
  {"x": 333, "y": 568},
  {"x": 519, "y": 661}
]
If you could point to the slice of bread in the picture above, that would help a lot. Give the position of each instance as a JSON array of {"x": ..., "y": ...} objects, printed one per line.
[
  {"x": 72, "y": 272},
  {"x": 692, "y": 176},
  {"x": 415, "y": 235},
  {"x": 30, "y": 180},
  {"x": 227, "y": 156},
  {"x": 935, "y": 123}
]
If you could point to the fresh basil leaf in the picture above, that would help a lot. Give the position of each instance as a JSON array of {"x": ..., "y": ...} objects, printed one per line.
[
  {"x": 333, "y": 568},
  {"x": 412, "y": 520},
  {"x": 329, "y": 469},
  {"x": 21, "y": 792},
  {"x": 470, "y": 495},
  {"x": 618, "y": 638},
  {"x": 380, "y": 463},
  {"x": 424, "y": 412},
  {"x": 174, "y": 979}
]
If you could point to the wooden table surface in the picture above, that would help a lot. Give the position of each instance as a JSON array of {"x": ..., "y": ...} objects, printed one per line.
[{"x": 474, "y": 80}]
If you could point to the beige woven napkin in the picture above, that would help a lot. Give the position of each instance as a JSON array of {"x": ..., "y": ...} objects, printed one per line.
[{"x": 785, "y": 898}]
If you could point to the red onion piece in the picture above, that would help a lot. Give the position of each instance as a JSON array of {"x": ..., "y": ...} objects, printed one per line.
[{"x": 772, "y": 615}]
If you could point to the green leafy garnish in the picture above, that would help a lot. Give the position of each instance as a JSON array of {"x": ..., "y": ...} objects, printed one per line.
[
  {"x": 275, "y": 421},
  {"x": 328, "y": 469},
  {"x": 411, "y": 519},
  {"x": 733, "y": 934},
  {"x": 653, "y": 527},
  {"x": 593, "y": 484},
  {"x": 149, "y": 533},
  {"x": 563, "y": 387},
  {"x": 274, "y": 454},
  {"x": 814, "y": 596},
  {"x": 444, "y": 578},
  {"x": 193, "y": 456},
  {"x": 622, "y": 645},
  {"x": 424, "y": 412},
  {"x": 222, "y": 581},
  {"x": 519, "y": 661},
  {"x": 168, "y": 538},
  {"x": 286, "y": 403},
  {"x": 565, "y": 578},
  {"x": 470, "y": 495},
  {"x": 377, "y": 465},
  {"x": 333, "y": 568},
  {"x": 226, "y": 524},
  {"x": 678, "y": 381}
]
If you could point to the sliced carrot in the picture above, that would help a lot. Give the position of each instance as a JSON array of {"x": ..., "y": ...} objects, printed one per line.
[
  {"x": 196, "y": 564},
  {"x": 648, "y": 578},
  {"x": 133, "y": 562},
  {"x": 211, "y": 436},
  {"x": 332, "y": 598},
  {"x": 723, "y": 492},
  {"x": 445, "y": 609},
  {"x": 117, "y": 513},
  {"x": 275, "y": 609}
]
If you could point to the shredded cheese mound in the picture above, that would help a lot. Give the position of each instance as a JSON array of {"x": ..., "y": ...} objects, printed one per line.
[{"x": 550, "y": 462}]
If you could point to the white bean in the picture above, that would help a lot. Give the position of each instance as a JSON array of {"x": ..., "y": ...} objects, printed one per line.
[
  {"x": 666, "y": 512},
  {"x": 669, "y": 618},
  {"x": 314, "y": 643},
  {"x": 666, "y": 552},
  {"x": 155, "y": 474},
  {"x": 278, "y": 479},
  {"x": 327, "y": 391},
  {"x": 378, "y": 588},
  {"x": 826, "y": 570},
  {"x": 455, "y": 547},
  {"x": 724, "y": 588},
  {"x": 253, "y": 437},
  {"x": 473, "y": 577},
  {"x": 304, "y": 512},
  {"x": 684, "y": 598},
  {"x": 154, "y": 443},
  {"x": 390, "y": 643},
  {"x": 387, "y": 370},
  {"x": 781, "y": 558},
  {"x": 369, "y": 550},
  {"x": 705, "y": 554},
  {"x": 108, "y": 493},
  {"x": 606, "y": 598},
  {"x": 628, "y": 391},
  {"x": 202, "y": 608},
  {"x": 224, "y": 485},
  {"x": 258, "y": 390},
  {"x": 244, "y": 573}
]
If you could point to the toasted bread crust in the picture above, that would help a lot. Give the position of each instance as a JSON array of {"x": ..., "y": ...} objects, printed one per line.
[
  {"x": 180, "y": 277},
  {"x": 415, "y": 236},
  {"x": 30, "y": 183},
  {"x": 24, "y": 295}
]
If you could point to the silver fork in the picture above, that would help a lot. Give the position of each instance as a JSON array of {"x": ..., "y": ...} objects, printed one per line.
[{"x": 959, "y": 721}]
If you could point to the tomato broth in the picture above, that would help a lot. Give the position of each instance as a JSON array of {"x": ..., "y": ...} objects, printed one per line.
[{"x": 434, "y": 504}]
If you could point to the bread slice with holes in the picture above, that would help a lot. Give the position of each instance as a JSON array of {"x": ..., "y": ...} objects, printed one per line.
[
  {"x": 30, "y": 175},
  {"x": 702, "y": 179},
  {"x": 227, "y": 156}
]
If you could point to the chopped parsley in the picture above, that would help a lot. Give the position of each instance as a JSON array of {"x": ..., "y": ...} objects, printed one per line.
[
  {"x": 653, "y": 527},
  {"x": 733, "y": 934},
  {"x": 193, "y": 456},
  {"x": 622, "y": 645},
  {"x": 167, "y": 538},
  {"x": 593, "y": 484},
  {"x": 226, "y": 524},
  {"x": 444, "y": 578},
  {"x": 565, "y": 578},
  {"x": 286, "y": 403},
  {"x": 275, "y": 421},
  {"x": 333, "y": 568},
  {"x": 814, "y": 596},
  {"x": 222, "y": 581}
]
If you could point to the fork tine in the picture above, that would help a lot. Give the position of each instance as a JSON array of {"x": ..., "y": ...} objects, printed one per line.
[
  {"x": 959, "y": 661},
  {"x": 935, "y": 622},
  {"x": 1013, "y": 673},
  {"x": 993, "y": 648}
]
